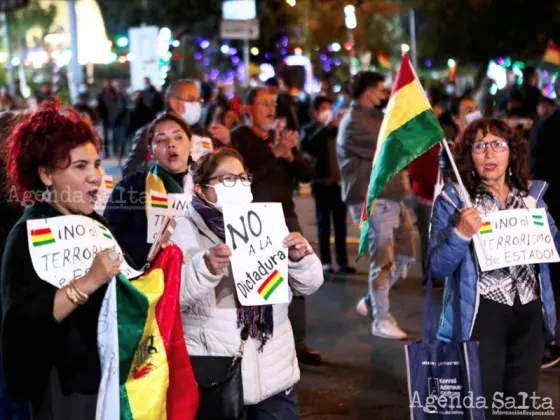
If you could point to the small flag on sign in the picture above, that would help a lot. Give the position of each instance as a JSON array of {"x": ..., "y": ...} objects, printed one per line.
[
  {"x": 270, "y": 284},
  {"x": 159, "y": 202},
  {"x": 207, "y": 144},
  {"x": 109, "y": 183},
  {"x": 40, "y": 237},
  {"x": 486, "y": 228},
  {"x": 538, "y": 220},
  {"x": 105, "y": 232}
]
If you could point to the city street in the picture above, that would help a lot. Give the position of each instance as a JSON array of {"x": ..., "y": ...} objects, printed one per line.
[{"x": 363, "y": 377}]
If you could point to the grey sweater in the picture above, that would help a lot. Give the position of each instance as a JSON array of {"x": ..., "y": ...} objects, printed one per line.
[{"x": 355, "y": 146}]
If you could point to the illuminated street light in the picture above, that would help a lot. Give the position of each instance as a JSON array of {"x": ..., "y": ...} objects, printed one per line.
[
  {"x": 224, "y": 49},
  {"x": 405, "y": 48},
  {"x": 350, "y": 17},
  {"x": 336, "y": 47},
  {"x": 255, "y": 51},
  {"x": 451, "y": 63},
  {"x": 122, "y": 42},
  {"x": 16, "y": 61},
  {"x": 291, "y": 2}
]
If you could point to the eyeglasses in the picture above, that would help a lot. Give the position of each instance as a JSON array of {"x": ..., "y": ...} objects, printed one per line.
[
  {"x": 498, "y": 146},
  {"x": 190, "y": 100},
  {"x": 229, "y": 180}
]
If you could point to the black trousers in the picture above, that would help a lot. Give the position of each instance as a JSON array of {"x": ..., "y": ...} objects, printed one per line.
[
  {"x": 296, "y": 310},
  {"x": 329, "y": 204},
  {"x": 512, "y": 342}
]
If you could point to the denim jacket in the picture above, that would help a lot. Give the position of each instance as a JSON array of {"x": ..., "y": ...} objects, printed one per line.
[{"x": 453, "y": 258}]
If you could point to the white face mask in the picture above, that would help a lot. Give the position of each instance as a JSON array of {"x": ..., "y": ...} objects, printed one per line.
[
  {"x": 192, "y": 113},
  {"x": 239, "y": 194},
  {"x": 325, "y": 116}
]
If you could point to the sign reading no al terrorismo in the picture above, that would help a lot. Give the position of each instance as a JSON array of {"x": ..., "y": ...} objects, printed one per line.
[{"x": 514, "y": 237}]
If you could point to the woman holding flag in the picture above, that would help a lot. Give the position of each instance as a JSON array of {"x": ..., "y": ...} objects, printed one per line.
[
  {"x": 169, "y": 138},
  {"x": 510, "y": 311},
  {"x": 213, "y": 319},
  {"x": 49, "y": 334}
]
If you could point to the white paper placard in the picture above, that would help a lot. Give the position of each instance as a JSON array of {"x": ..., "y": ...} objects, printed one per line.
[
  {"x": 105, "y": 191},
  {"x": 161, "y": 206},
  {"x": 514, "y": 237},
  {"x": 63, "y": 248},
  {"x": 255, "y": 234},
  {"x": 200, "y": 146}
]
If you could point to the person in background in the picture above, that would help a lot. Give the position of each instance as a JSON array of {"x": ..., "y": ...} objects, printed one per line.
[
  {"x": 530, "y": 92},
  {"x": 49, "y": 336},
  {"x": 112, "y": 108},
  {"x": 10, "y": 212},
  {"x": 502, "y": 97},
  {"x": 169, "y": 139},
  {"x": 318, "y": 141},
  {"x": 183, "y": 99},
  {"x": 226, "y": 117},
  {"x": 43, "y": 93},
  {"x": 510, "y": 311},
  {"x": 273, "y": 86},
  {"x": 6, "y": 101},
  {"x": 82, "y": 106},
  {"x": 453, "y": 124},
  {"x": 276, "y": 164},
  {"x": 219, "y": 100},
  {"x": 208, "y": 299},
  {"x": 149, "y": 103},
  {"x": 545, "y": 107},
  {"x": 544, "y": 153},
  {"x": 391, "y": 230}
]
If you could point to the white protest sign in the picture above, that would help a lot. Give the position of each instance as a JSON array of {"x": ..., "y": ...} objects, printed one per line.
[
  {"x": 255, "y": 234},
  {"x": 161, "y": 206},
  {"x": 514, "y": 237},
  {"x": 200, "y": 146},
  {"x": 104, "y": 193},
  {"x": 62, "y": 248}
]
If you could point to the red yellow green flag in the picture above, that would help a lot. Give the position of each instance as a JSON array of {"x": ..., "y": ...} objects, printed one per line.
[
  {"x": 155, "y": 379},
  {"x": 552, "y": 56},
  {"x": 383, "y": 60},
  {"x": 410, "y": 128}
]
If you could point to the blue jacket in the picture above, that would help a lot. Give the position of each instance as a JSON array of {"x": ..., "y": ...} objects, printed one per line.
[{"x": 453, "y": 258}]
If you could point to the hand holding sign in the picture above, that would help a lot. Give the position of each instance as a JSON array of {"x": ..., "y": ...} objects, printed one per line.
[
  {"x": 104, "y": 267},
  {"x": 217, "y": 258},
  {"x": 469, "y": 222},
  {"x": 297, "y": 246}
]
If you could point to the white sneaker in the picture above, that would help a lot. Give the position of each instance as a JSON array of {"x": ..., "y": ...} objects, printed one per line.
[
  {"x": 362, "y": 307},
  {"x": 387, "y": 329}
]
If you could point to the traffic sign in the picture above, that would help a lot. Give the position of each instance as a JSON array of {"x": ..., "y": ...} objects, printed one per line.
[{"x": 240, "y": 29}]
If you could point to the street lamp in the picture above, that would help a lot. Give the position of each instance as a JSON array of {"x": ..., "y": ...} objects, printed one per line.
[
  {"x": 291, "y": 2},
  {"x": 351, "y": 23},
  {"x": 405, "y": 48}
]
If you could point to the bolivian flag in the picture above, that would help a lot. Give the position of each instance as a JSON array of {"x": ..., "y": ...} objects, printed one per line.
[
  {"x": 270, "y": 284},
  {"x": 40, "y": 237},
  {"x": 384, "y": 60},
  {"x": 155, "y": 377},
  {"x": 410, "y": 128},
  {"x": 552, "y": 56}
]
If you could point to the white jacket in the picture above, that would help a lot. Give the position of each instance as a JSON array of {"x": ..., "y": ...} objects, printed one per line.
[{"x": 209, "y": 313}]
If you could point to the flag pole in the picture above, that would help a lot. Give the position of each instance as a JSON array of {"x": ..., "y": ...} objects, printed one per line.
[{"x": 463, "y": 191}]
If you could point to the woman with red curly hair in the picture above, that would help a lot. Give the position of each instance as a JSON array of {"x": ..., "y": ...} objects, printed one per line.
[
  {"x": 510, "y": 311},
  {"x": 49, "y": 336}
]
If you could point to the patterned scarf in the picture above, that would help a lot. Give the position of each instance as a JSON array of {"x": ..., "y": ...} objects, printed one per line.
[
  {"x": 161, "y": 181},
  {"x": 259, "y": 319}
]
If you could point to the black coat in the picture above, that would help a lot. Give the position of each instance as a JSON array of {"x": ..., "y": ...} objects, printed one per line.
[
  {"x": 33, "y": 343},
  {"x": 316, "y": 141}
]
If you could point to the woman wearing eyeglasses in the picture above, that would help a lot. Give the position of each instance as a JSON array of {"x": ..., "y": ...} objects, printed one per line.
[
  {"x": 212, "y": 316},
  {"x": 509, "y": 311},
  {"x": 169, "y": 139}
]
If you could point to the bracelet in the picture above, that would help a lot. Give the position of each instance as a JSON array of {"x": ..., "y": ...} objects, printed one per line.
[{"x": 76, "y": 296}]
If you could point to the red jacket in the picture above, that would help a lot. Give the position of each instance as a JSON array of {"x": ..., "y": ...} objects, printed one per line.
[{"x": 423, "y": 174}]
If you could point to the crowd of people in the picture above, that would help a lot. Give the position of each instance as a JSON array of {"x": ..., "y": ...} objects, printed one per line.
[{"x": 262, "y": 150}]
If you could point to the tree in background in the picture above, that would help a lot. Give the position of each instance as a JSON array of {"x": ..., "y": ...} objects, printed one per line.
[{"x": 475, "y": 31}]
